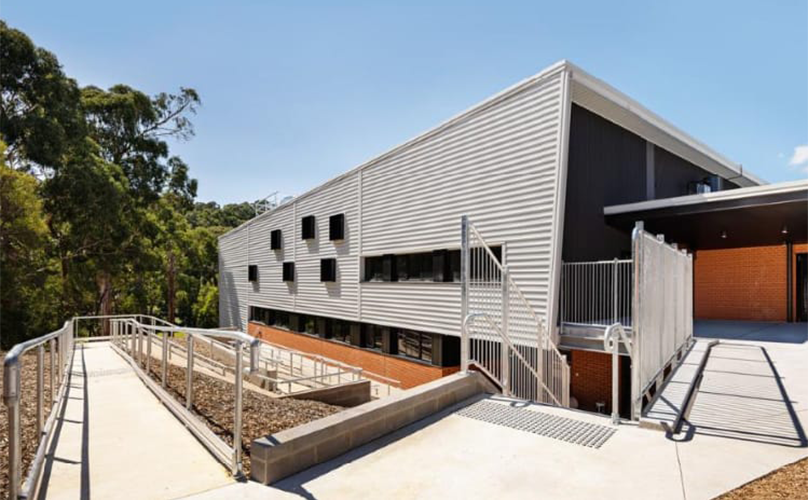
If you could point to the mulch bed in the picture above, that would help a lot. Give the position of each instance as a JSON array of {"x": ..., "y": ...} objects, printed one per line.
[
  {"x": 789, "y": 482},
  {"x": 262, "y": 415},
  {"x": 28, "y": 433}
]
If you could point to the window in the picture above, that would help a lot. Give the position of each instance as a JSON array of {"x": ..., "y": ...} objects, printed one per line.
[
  {"x": 382, "y": 268},
  {"x": 308, "y": 227},
  {"x": 275, "y": 239},
  {"x": 328, "y": 270},
  {"x": 252, "y": 273},
  {"x": 336, "y": 227},
  {"x": 414, "y": 267},
  {"x": 414, "y": 344},
  {"x": 373, "y": 336},
  {"x": 288, "y": 271},
  {"x": 339, "y": 330}
]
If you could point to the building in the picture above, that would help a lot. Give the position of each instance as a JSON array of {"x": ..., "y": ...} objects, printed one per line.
[{"x": 365, "y": 268}]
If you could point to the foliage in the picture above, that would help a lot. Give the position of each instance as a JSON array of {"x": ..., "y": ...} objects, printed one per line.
[{"x": 97, "y": 215}]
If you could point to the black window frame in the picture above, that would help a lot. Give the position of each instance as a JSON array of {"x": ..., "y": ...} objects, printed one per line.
[
  {"x": 308, "y": 227},
  {"x": 275, "y": 239},
  {"x": 252, "y": 273},
  {"x": 328, "y": 270},
  {"x": 336, "y": 227},
  {"x": 289, "y": 272},
  {"x": 415, "y": 345},
  {"x": 339, "y": 330},
  {"x": 373, "y": 336}
]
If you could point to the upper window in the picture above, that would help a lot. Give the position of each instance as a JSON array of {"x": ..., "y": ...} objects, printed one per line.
[
  {"x": 328, "y": 270},
  {"x": 381, "y": 268},
  {"x": 414, "y": 267},
  {"x": 275, "y": 239},
  {"x": 252, "y": 273},
  {"x": 288, "y": 271},
  {"x": 308, "y": 230},
  {"x": 336, "y": 227}
]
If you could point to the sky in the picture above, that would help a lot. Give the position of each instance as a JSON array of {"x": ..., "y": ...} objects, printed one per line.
[{"x": 295, "y": 93}]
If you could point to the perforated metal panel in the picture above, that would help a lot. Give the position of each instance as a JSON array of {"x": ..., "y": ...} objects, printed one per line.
[{"x": 552, "y": 426}]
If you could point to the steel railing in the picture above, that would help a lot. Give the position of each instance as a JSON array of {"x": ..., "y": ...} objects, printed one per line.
[
  {"x": 134, "y": 339},
  {"x": 60, "y": 349},
  {"x": 512, "y": 345},
  {"x": 596, "y": 293}
]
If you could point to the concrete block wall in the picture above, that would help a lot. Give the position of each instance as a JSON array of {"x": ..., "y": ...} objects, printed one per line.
[
  {"x": 741, "y": 283},
  {"x": 409, "y": 373}
]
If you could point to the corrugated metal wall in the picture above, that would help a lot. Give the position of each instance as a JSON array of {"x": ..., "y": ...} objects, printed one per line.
[{"x": 498, "y": 163}]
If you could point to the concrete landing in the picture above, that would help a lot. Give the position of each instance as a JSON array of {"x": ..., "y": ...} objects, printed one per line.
[{"x": 116, "y": 440}]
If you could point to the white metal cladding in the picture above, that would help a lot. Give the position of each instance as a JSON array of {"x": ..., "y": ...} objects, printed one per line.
[
  {"x": 233, "y": 282},
  {"x": 500, "y": 167},
  {"x": 663, "y": 315},
  {"x": 499, "y": 163}
]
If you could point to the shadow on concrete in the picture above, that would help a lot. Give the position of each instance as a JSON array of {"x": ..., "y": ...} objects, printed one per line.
[
  {"x": 742, "y": 397},
  {"x": 297, "y": 483},
  {"x": 790, "y": 333}
]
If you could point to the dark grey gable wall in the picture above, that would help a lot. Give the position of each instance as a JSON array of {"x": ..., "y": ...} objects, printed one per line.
[{"x": 608, "y": 165}]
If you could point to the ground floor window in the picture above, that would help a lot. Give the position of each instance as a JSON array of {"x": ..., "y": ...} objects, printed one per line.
[{"x": 414, "y": 344}]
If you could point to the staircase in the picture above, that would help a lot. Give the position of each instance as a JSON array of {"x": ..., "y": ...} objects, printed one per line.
[{"x": 502, "y": 335}]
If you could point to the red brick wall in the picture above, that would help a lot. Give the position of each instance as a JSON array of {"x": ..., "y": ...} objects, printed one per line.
[
  {"x": 409, "y": 373},
  {"x": 591, "y": 374},
  {"x": 740, "y": 283}
]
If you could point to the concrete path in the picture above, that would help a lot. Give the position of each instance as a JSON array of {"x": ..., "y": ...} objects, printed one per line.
[{"x": 116, "y": 440}]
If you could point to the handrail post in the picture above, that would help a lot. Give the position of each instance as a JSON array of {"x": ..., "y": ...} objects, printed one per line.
[
  {"x": 149, "y": 334},
  {"x": 464, "y": 293},
  {"x": 614, "y": 292},
  {"x": 40, "y": 389},
  {"x": 506, "y": 352},
  {"x": 164, "y": 369},
  {"x": 52, "y": 346},
  {"x": 189, "y": 389},
  {"x": 11, "y": 398},
  {"x": 238, "y": 414}
]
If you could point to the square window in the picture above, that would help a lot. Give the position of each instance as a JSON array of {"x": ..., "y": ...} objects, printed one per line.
[
  {"x": 252, "y": 273},
  {"x": 275, "y": 239},
  {"x": 308, "y": 227},
  {"x": 336, "y": 227},
  {"x": 288, "y": 271},
  {"x": 328, "y": 270}
]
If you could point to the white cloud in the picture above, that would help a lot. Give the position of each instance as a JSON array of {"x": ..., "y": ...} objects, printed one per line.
[{"x": 800, "y": 158}]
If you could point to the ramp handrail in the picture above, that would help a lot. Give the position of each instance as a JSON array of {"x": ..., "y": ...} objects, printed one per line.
[
  {"x": 61, "y": 342},
  {"x": 612, "y": 337},
  {"x": 128, "y": 336}
]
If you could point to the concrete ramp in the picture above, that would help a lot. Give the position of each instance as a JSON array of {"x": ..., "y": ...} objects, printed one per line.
[{"x": 114, "y": 439}]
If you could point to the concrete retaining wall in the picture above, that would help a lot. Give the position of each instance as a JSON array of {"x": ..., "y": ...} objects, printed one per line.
[
  {"x": 280, "y": 455},
  {"x": 348, "y": 394}
]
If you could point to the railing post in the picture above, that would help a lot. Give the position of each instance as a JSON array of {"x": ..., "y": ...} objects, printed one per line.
[
  {"x": 636, "y": 327},
  {"x": 615, "y": 380},
  {"x": 238, "y": 413},
  {"x": 52, "y": 345},
  {"x": 164, "y": 368},
  {"x": 11, "y": 398},
  {"x": 506, "y": 352},
  {"x": 464, "y": 292},
  {"x": 40, "y": 389},
  {"x": 614, "y": 292},
  {"x": 189, "y": 389},
  {"x": 148, "y": 350}
]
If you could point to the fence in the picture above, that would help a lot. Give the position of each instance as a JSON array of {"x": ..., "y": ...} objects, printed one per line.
[
  {"x": 596, "y": 293},
  {"x": 501, "y": 333}
]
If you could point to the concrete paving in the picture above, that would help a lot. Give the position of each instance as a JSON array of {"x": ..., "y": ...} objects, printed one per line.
[
  {"x": 453, "y": 456},
  {"x": 116, "y": 440}
]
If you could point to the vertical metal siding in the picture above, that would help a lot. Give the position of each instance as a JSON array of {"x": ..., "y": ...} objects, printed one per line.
[{"x": 233, "y": 278}]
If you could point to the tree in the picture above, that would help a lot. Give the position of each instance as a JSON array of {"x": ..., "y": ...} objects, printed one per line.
[{"x": 40, "y": 113}]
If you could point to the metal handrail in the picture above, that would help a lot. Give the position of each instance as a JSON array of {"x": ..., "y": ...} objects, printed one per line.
[
  {"x": 128, "y": 336},
  {"x": 612, "y": 337},
  {"x": 62, "y": 341}
]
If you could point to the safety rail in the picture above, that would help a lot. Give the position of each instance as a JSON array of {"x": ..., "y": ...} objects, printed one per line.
[
  {"x": 612, "y": 337},
  {"x": 60, "y": 348},
  {"x": 596, "y": 293},
  {"x": 134, "y": 340},
  {"x": 540, "y": 372}
]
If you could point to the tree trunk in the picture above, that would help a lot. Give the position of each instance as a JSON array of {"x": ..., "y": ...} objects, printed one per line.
[{"x": 105, "y": 291}]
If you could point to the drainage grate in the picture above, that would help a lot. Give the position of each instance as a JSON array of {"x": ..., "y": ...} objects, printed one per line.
[{"x": 543, "y": 424}]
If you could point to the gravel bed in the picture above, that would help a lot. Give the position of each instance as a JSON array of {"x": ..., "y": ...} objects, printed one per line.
[
  {"x": 28, "y": 433},
  {"x": 789, "y": 482},
  {"x": 262, "y": 415}
]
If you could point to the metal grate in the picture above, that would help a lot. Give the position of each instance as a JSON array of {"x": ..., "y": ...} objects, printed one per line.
[{"x": 543, "y": 424}]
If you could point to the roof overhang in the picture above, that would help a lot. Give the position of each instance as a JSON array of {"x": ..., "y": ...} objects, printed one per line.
[
  {"x": 601, "y": 98},
  {"x": 754, "y": 216}
]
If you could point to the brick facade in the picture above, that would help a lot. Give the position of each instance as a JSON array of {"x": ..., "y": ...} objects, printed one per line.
[
  {"x": 741, "y": 283},
  {"x": 591, "y": 374},
  {"x": 409, "y": 373}
]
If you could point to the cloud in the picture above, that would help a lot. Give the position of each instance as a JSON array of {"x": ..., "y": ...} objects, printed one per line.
[{"x": 800, "y": 158}]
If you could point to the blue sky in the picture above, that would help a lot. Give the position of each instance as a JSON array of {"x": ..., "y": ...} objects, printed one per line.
[{"x": 295, "y": 93}]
